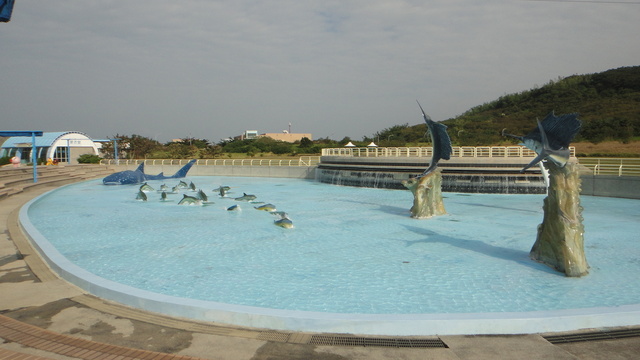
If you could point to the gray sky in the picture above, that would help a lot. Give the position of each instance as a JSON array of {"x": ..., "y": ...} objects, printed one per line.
[{"x": 212, "y": 69}]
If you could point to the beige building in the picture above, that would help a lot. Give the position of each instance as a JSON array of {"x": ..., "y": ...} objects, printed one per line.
[{"x": 286, "y": 136}]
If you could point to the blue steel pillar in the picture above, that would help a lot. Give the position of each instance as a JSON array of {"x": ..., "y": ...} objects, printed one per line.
[{"x": 34, "y": 157}]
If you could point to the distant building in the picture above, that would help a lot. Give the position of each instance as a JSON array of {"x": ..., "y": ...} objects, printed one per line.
[
  {"x": 60, "y": 146},
  {"x": 250, "y": 134},
  {"x": 286, "y": 136},
  {"x": 283, "y": 136}
]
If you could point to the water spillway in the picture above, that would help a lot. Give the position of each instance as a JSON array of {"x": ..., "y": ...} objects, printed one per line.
[{"x": 492, "y": 175}]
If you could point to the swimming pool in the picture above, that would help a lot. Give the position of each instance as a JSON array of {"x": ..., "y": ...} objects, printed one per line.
[{"x": 353, "y": 251}]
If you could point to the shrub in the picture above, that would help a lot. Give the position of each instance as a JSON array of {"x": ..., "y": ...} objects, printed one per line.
[{"x": 89, "y": 159}]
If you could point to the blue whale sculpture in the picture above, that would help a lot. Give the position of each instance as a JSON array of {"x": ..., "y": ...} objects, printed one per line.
[{"x": 138, "y": 176}]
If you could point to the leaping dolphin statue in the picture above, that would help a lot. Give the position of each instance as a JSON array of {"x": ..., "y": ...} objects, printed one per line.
[
  {"x": 551, "y": 138},
  {"x": 138, "y": 176},
  {"x": 440, "y": 140}
]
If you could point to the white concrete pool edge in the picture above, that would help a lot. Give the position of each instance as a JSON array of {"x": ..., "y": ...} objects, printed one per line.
[{"x": 305, "y": 321}]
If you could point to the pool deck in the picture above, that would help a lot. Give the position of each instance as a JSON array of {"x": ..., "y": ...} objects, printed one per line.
[{"x": 44, "y": 317}]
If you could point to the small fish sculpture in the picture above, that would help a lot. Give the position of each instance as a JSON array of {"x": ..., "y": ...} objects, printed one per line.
[
  {"x": 175, "y": 189},
  {"x": 284, "y": 223},
  {"x": 164, "y": 187},
  {"x": 141, "y": 196},
  {"x": 266, "y": 207},
  {"x": 183, "y": 185},
  {"x": 233, "y": 208},
  {"x": 163, "y": 196},
  {"x": 279, "y": 214},
  {"x": 192, "y": 186}
]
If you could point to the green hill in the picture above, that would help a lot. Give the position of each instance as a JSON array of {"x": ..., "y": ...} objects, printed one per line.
[{"x": 608, "y": 104}]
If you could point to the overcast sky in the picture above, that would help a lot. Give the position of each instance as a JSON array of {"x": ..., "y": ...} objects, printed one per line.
[{"x": 213, "y": 69}]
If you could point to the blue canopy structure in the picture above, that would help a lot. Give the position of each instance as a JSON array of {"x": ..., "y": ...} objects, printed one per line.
[
  {"x": 6, "y": 7},
  {"x": 33, "y": 135}
]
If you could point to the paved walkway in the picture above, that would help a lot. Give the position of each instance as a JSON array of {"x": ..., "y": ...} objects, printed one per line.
[{"x": 44, "y": 317}]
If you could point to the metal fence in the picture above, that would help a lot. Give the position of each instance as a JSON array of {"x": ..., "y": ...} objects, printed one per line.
[
  {"x": 458, "y": 151},
  {"x": 612, "y": 166},
  {"x": 301, "y": 161},
  {"x": 599, "y": 166}
]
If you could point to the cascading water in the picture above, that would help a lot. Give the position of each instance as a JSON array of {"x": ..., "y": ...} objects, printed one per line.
[{"x": 370, "y": 179}]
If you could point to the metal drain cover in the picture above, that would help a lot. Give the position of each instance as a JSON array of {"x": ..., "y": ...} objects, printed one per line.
[{"x": 332, "y": 340}]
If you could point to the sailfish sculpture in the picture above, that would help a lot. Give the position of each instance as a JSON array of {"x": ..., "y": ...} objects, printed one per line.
[
  {"x": 6, "y": 7},
  {"x": 440, "y": 141},
  {"x": 550, "y": 140},
  {"x": 427, "y": 187},
  {"x": 560, "y": 238}
]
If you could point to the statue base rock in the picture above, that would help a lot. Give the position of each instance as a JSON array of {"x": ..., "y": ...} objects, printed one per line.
[
  {"x": 560, "y": 240},
  {"x": 427, "y": 195}
]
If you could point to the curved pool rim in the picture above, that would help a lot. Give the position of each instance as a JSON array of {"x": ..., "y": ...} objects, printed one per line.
[{"x": 321, "y": 322}]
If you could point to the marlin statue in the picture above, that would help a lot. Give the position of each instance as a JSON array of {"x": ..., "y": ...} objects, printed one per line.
[
  {"x": 138, "y": 176},
  {"x": 440, "y": 141},
  {"x": 550, "y": 140}
]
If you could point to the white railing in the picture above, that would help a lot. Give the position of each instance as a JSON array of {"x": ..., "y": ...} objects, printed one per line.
[
  {"x": 599, "y": 166},
  {"x": 301, "y": 161},
  {"x": 612, "y": 166},
  {"x": 458, "y": 151}
]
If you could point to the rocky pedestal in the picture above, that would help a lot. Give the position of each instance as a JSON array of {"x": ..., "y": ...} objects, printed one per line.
[
  {"x": 560, "y": 241},
  {"x": 427, "y": 195}
]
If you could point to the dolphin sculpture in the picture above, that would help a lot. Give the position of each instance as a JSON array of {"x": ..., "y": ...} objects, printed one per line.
[
  {"x": 551, "y": 138},
  {"x": 138, "y": 176},
  {"x": 245, "y": 197},
  {"x": 222, "y": 190},
  {"x": 202, "y": 196},
  {"x": 146, "y": 188},
  {"x": 141, "y": 196},
  {"x": 440, "y": 140},
  {"x": 189, "y": 200}
]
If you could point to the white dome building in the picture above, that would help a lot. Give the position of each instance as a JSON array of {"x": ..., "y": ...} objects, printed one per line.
[{"x": 63, "y": 147}]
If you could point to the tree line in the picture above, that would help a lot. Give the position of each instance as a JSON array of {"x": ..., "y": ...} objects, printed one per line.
[
  {"x": 141, "y": 147},
  {"x": 608, "y": 104}
]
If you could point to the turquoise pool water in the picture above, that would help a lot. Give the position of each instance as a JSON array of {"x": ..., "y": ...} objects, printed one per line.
[{"x": 353, "y": 250}]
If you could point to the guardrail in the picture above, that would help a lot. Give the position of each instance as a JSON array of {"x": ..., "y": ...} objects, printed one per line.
[
  {"x": 458, "y": 151},
  {"x": 301, "y": 161},
  {"x": 612, "y": 166}
]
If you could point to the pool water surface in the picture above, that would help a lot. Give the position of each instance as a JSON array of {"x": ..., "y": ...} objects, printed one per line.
[{"x": 352, "y": 250}]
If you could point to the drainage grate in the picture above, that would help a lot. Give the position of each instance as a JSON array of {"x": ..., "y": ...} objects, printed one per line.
[
  {"x": 594, "y": 336},
  {"x": 274, "y": 336},
  {"x": 332, "y": 340}
]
